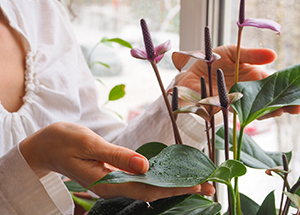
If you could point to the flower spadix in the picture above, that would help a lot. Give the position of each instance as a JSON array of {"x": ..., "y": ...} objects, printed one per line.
[
  {"x": 257, "y": 22},
  {"x": 150, "y": 52},
  {"x": 223, "y": 100}
]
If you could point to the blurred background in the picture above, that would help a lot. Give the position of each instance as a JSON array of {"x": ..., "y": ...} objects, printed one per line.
[{"x": 183, "y": 23}]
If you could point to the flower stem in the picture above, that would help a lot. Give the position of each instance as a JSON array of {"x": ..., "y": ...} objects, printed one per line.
[
  {"x": 164, "y": 94},
  {"x": 231, "y": 200},
  {"x": 288, "y": 201},
  {"x": 237, "y": 61},
  {"x": 286, "y": 168},
  {"x": 212, "y": 120}
]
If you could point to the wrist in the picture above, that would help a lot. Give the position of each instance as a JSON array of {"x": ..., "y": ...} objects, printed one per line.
[{"x": 28, "y": 151}]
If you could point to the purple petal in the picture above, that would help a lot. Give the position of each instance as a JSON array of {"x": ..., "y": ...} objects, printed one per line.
[
  {"x": 162, "y": 48},
  {"x": 158, "y": 58},
  {"x": 139, "y": 53},
  {"x": 261, "y": 23}
]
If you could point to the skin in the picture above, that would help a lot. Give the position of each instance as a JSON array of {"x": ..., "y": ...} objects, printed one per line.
[
  {"x": 249, "y": 71},
  {"x": 78, "y": 153}
]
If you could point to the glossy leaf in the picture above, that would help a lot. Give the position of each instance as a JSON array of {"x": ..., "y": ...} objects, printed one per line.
[
  {"x": 248, "y": 206},
  {"x": 175, "y": 166},
  {"x": 268, "y": 205},
  {"x": 180, "y": 58},
  {"x": 252, "y": 155},
  {"x": 195, "y": 205},
  {"x": 117, "y": 92},
  {"x": 228, "y": 170},
  {"x": 294, "y": 198},
  {"x": 185, "y": 204},
  {"x": 74, "y": 187},
  {"x": 266, "y": 95},
  {"x": 151, "y": 149}
]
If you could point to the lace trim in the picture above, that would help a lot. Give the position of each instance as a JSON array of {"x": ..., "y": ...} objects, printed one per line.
[{"x": 31, "y": 83}]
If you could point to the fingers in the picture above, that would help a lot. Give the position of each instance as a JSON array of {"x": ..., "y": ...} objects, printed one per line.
[
  {"x": 257, "y": 56},
  {"x": 120, "y": 157}
]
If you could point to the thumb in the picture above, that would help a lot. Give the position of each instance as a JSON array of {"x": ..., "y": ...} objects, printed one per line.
[
  {"x": 122, "y": 158},
  {"x": 257, "y": 56}
]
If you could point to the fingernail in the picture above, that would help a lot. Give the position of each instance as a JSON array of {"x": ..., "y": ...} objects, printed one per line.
[{"x": 138, "y": 164}]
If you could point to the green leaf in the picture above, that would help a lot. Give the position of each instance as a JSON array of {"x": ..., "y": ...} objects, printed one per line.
[
  {"x": 175, "y": 166},
  {"x": 252, "y": 155},
  {"x": 117, "y": 92},
  {"x": 85, "y": 203},
  {"x": 266, "y": 95},
  {"x": 151, "y": 149},
  {"x": 75, "y": 187},
  {"x": 268, "y": 205},
  {"x": 228, "y": 170},
  {"x": 185, "y": 204},
  {"x": 101, "y": 63},
  {"x": 195, "y": 205},
  {"x": 248, "y": 206},
  {"x": 110, "y": 206},
  {"x": 294, "y": 198},
  {"x": 122, "y": 42}
]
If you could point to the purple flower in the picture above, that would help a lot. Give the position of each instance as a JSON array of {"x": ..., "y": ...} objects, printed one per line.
[
  {"x": 255, "y": 22},
  {"x": 261, "y": 23},
  {"x": 150, "y": 52},
  {"x": 159, "y": 52}
]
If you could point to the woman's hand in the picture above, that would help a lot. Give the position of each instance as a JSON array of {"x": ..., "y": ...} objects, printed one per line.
[
  {"x": 78, "y": 153},
  {"x": 249, "y": 71}
]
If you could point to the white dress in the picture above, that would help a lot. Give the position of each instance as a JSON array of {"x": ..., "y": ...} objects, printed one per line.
[{"x": 60, "y": 87}]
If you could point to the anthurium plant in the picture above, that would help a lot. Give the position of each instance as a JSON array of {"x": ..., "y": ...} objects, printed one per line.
[{"x": 181, "y": 165}]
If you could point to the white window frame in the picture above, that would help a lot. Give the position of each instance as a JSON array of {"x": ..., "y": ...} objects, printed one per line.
[{"x": 196, "y": 14}]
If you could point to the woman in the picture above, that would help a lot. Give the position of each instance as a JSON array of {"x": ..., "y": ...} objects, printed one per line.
[{"x": 44, "y": 99}]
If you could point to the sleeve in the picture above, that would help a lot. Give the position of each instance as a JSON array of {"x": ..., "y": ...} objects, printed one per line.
[{"x": 21, "y": 192}]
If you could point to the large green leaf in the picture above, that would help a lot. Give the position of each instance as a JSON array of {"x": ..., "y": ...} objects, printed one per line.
[
  {"x": 268, "y": 205},
  {"x": 252, "y": 155},
  {"x": 175, "y": 166},
  {"x": 185, "y": 204},
  {"x": 151, "y": 149},
  {"x": 266, "y": 95},
  {"x": 195, "y": 205},
  {"x": 228, "y": 170},
  {"x": 248, "y": 206}
]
